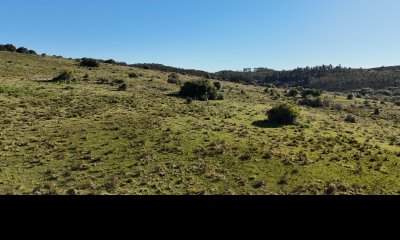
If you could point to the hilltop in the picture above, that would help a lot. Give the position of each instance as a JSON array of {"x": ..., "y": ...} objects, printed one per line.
[{"x": 85, "y": 136}]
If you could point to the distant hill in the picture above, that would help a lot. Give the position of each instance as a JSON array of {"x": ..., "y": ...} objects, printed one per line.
[
  {"x": 321, "y": 77},
  {"x": 325, "y": 77},
  {"x": 163, "y": 68}
]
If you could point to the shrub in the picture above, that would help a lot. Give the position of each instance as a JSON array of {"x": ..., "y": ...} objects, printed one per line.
[
  {"x": 64, "y": 76},
  {"x": 397, "y": 103},
  {"x": 110, "y": 61},
  {"x": 201, "y": 90},
  {"x": 311, "y": 92},
  {"x": 174, "y": 81},
  {"x": 315, "y": 102},
  {"x": 133, "y": 75},
  {"x": 350, "y": 96},
  {"x": 8, "y": 48},
  {"x": 22, "y": 50},
  {"x": 117, "y": 82},
  {"x": 337, "y": 107},
  {"x": 89, "y": 62},
  {"x": 218, "y": 85},
  {"x": 284, "y": 114},
  {"x": 293, "y": 93},
  {"x": 350, "y": 119},
  {"x": 173, "y": 78},
  {"x": 122, "y": 87},
  {"x": 32, "y": 52},
  {"x": 377, "y": 111}
]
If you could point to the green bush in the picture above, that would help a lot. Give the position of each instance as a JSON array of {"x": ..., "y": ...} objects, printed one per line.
[
  {"x": 122, "y": 87},
  {"x": 64, "y": 76},
  {"x": 133, "y": 75},
  {"x": 337, "y": 107},
  {"x": 350, "y": 119},
  {"x": 89, "y": 62},
  {"x": 110, "y": 61},
  {"x": 293, "y": 93},
  {"x": 22, "y": 50},
  {"x": 284, "y": 114},
  {"x": 311, "y": 92},
  {"x": 173, "y": 78},
  {"x": 200, "y": 90},
  {"x": 8, "y": 48},
  {"x": 315, "y": 102},
  {"x": 350, "y": 96},
  {"x": 218, "y": 85},
  {"x": 32, "y": 52}
]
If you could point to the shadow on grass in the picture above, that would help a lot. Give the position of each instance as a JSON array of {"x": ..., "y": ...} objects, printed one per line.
[
  {"x": 177, "y": 95},
  {"x": 267, "y": 124}
]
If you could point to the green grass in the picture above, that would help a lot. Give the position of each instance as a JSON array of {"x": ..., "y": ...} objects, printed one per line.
[{"x": 89, "y": 138}]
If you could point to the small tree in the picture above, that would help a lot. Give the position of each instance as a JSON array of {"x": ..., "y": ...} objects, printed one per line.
[
  {"x": 284, "y": 114},
  {"x": 89, "y": 62}
]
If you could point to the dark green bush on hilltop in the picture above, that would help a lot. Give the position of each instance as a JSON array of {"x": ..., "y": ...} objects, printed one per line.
[
  {"x": 110, "y": 61},
  {"x": 23, "y": 50},
  {"x": 200, "y": 90},
  {"x": 284, "y": 114},
  {"x": 89, "y": 62},
  {"x": 8, "y": 48}
]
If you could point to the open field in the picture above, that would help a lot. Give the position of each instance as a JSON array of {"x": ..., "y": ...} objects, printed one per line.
[{"x": 88, "y": 138}]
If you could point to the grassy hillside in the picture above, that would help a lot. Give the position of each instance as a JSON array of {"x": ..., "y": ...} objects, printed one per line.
[{"x": 89, "y": 138}]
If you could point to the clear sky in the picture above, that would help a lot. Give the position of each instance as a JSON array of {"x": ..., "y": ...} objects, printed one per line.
[{"x": 210, "y": 34}]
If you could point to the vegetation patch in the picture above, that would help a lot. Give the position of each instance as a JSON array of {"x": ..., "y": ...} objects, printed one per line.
[
  {"x": 202, "y": 90},
  {"x": 284, "y": 114}
]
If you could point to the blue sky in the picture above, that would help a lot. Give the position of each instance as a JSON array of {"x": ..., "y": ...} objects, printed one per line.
[{"x": 210, "y": 34}]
